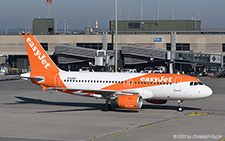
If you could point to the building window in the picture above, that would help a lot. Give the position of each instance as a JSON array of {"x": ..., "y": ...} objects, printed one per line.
[
  {"x": 45, "y": 46},
  {"x": 185, "y": 47},
  {"x": 168, "y": 46},
  {"x": 180, "y": 47},
  {"x": 98, "y": 46},
  {"x": 223, "y": 48},
  {"x": 134, "y": 25}
]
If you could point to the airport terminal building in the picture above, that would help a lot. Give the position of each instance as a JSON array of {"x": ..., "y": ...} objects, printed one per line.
[{"x": 140, "y": 44}]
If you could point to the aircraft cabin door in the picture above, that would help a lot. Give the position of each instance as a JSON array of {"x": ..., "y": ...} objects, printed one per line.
[
  {"x": 57, "y": 80},
  {"x": 177, "y": 84}
]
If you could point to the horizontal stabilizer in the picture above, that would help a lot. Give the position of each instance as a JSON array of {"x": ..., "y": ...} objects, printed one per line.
[{"x": 36, "y": 78}]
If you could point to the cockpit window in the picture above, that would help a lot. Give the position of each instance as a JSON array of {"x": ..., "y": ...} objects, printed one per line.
[
  {"x": 200, "y": 83},
  {"x": 195, "y": 83},
  {"x": 191, "y": 83}
]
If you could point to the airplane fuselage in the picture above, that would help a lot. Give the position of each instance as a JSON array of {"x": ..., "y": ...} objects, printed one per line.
[{"x": 154, "y": 86}]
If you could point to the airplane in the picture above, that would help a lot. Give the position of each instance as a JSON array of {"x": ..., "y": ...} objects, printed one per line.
[{"x": 127, "y": 90}]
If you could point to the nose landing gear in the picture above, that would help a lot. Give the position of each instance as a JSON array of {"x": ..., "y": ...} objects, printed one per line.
[{"x": 180, "y": 108}]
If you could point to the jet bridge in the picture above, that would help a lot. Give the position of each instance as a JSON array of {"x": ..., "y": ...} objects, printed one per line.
[
  {"x": 72, "y": 54},
  {"x": 139, "y": 55}
]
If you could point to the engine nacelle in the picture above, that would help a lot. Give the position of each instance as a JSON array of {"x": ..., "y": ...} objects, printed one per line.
[
  {"x": 156, "y": 101},
  {"x": 129, "y": 101}
]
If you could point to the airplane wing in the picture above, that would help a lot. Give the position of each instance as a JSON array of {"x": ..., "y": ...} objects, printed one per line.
[{"x": 97, "y": 93}]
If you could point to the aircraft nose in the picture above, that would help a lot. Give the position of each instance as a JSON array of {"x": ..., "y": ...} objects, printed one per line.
[{"x": 207, "y": 91}]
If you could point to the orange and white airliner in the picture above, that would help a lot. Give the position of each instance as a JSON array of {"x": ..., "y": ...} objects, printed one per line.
[{"x": 128, "y": 90}]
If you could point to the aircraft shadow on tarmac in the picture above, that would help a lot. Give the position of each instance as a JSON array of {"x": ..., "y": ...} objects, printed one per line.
[
  {"x": 167, "y": 107},
  {"x": 91, "y": 106}
]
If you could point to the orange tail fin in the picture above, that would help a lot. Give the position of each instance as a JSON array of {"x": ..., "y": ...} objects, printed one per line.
[{"x": 40, "y": 62}]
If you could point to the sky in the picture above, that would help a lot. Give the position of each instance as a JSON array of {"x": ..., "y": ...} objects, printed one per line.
[{"x": 82, "y": 13}]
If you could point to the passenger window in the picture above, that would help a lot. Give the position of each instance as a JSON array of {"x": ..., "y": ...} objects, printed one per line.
[
  {"x": 64, "y": 80},
  {"x": 191, "y": 83},
  {"x": 195, "y": 83}
]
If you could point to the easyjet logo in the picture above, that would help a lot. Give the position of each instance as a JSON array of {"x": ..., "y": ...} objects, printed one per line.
[
  {"x": 38, "y": 54},
  {"x": 157, "y": 79}
]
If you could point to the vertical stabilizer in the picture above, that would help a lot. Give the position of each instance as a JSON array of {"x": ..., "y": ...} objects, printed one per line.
[{"x": 40, "y": 62}]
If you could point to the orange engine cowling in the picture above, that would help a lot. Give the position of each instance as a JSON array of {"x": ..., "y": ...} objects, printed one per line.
[
  {"x": 156, "y": 101},
  {"x": 130, "y": 101}
]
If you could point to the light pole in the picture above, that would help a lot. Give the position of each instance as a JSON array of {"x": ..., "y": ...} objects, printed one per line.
[
  {"x": 49, "y": 2},
  {"x": 116, "y": 36}
]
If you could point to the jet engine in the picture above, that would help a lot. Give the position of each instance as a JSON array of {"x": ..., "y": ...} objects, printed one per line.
[
  {"x": 129, "y": 101},
  {"x": 156, "y": 101}
]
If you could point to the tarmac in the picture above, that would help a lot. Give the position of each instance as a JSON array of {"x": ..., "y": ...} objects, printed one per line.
[{"x": 28, "y": 114}]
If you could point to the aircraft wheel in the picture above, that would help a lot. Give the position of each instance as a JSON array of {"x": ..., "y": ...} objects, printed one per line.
[
  {"x": 180, "y": 109},
  {"x": 106, "y": 107}
]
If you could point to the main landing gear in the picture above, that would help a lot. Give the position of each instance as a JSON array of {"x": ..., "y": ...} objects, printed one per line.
[
  {"x": 107, "y": 106},
  {"x": 180, "y": 108}
]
